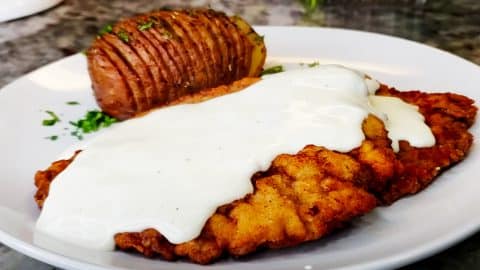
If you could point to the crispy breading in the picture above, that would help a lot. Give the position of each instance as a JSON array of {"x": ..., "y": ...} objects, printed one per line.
[
  {"x": 449, "y": 116},
  {"x": 303, "y": 197},
  {"x": 300, "y": 198},
  {"x": 43, "y": 179}
]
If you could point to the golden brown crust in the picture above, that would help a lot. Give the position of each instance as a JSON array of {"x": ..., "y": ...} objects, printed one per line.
[
  {"x": 301, "y": 198},
  {"x": 304, "y": 196},
  {"x": 180, "y": 53},
  {"x": 43, "y": 179},
  {"x": 221, "y": 90},
  {"x": 449, "y": 116}
]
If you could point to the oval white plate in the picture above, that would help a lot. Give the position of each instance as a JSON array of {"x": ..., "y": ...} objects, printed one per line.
[
  {"x": 10, "y": 10},
  {"x": 415, "y": 227}
]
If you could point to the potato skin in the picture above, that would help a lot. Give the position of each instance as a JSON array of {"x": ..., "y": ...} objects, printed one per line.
[{"x": 153, "y": 59}]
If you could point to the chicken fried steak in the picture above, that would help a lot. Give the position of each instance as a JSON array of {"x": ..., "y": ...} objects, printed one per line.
[{"x": 303, "y": 197}]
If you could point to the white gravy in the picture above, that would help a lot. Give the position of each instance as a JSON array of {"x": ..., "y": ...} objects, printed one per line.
[
  {"x": 170, "y": 169},
  {"x": 403, "y": 122}
]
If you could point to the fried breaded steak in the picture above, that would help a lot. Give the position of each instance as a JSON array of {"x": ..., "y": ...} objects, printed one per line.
[
  {"x": 449, "y": 116},
  {"x": 303, "y": 197}
]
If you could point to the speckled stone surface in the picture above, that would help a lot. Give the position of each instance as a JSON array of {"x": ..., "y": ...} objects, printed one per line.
[{"x": 28, "y": 43}]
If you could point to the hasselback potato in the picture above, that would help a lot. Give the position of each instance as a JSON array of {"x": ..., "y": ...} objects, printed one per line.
[{"x": 153, "y": 59}]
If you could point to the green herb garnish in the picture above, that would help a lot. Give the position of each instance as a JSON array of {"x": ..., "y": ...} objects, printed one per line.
[
  {"x": 167, "y": 34},
  {"x": 91, "y": 122},
  {"x": 272, "y": 70},
  {"x": 52, "y": 138},
  {"x": 314, "y": 64},
  {"x": 77, "y": 134},
  {"x": 145, "y": 26},
  {"x": 123, "y": 35},
  {"x": 73, "y": 103},
  {"x": 106, "y": 29},
  {"x": 311, "y": 5},
  {"x": 52, "y": 121}
]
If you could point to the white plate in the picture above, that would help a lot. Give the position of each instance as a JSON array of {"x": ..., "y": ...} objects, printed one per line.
[
  {"x": 415, "y": 227},
  {"x": 10, "y": 10}
]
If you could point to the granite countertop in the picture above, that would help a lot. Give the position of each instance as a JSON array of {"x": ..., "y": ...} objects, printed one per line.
[{"x": 454, "y": 25}]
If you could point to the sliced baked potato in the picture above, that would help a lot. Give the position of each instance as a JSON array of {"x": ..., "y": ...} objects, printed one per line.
[{"x": 153, "y": 59}]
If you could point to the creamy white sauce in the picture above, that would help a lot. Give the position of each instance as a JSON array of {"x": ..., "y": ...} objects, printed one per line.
[
  {"x": 403, "y": 122},
  {"x": 173, "y": 167}
]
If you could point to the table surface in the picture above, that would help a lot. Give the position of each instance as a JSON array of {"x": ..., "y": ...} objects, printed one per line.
[{"x": 31, "y": 42}]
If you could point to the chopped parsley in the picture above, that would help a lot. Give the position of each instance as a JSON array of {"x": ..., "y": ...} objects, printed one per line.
[
  {"x": 91, "y": 122},
  {"x": 123, "y": 35},
  {"x": 76, "y": 133},
  {"x": 52, "y": 121},
  {"x": 106, "y": 29},
  {"x": 145, "y": 26},
  {"x": 52, "y": 138},
  {"x": 313, "y": 64},
  {"x": 73, "y": 103},
  {"x": 167, "y": 34},
  {"x": 272, "y": 70}
]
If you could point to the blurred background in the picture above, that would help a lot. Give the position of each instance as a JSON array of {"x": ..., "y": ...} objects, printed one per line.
[
  {"x": 67, "y": 27},
  {"x": 453, "y": 25}
]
